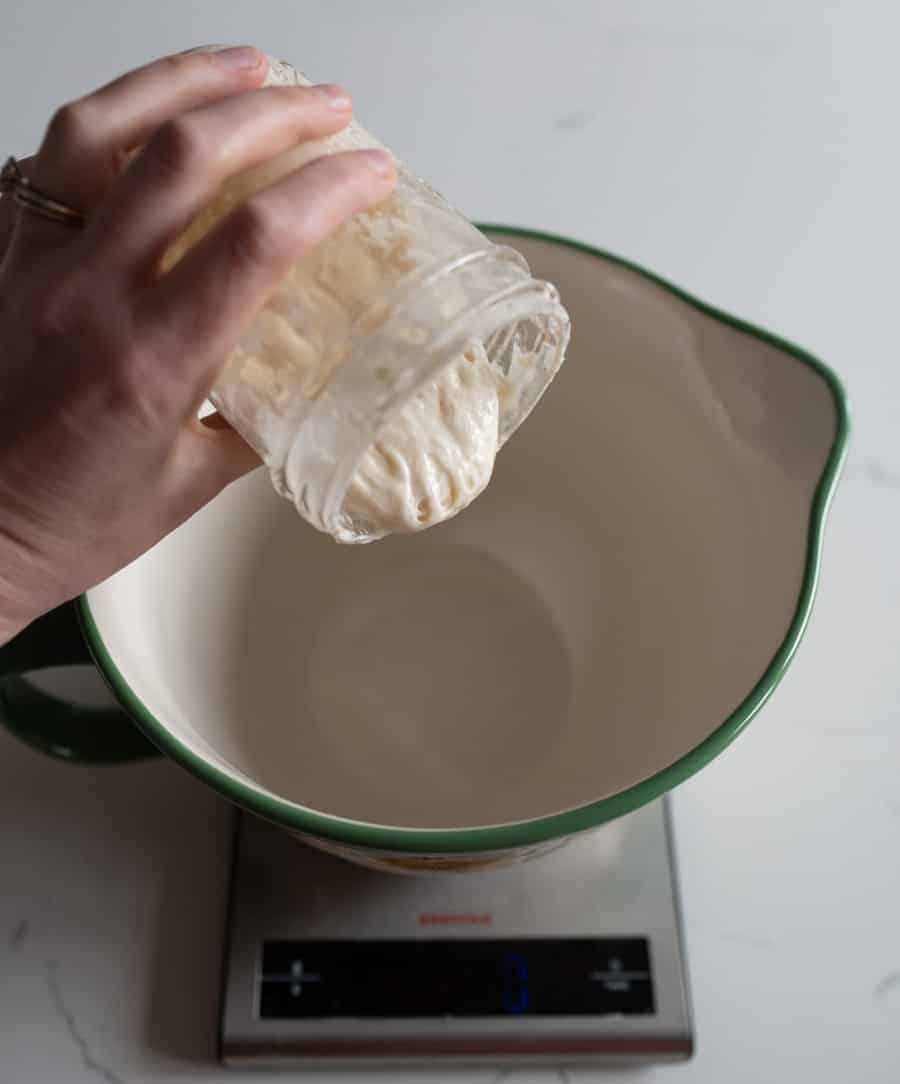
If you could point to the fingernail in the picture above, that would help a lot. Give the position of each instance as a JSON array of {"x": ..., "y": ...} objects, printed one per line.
[
  {"x": 381, "y": 162},
  {"x": 204, "y": 49},
  {"x": 338, "y": 98},
  {"x": 240, "y": 57}
]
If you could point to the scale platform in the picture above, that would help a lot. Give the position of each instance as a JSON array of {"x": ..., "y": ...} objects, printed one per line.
[{"x": 574, "y": 958}]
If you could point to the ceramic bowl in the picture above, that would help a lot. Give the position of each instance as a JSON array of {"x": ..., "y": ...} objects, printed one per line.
[{"x": 601, "y": 623}]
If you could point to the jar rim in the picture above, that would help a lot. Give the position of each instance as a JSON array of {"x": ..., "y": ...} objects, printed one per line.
[{"x": 528, "y": 299}]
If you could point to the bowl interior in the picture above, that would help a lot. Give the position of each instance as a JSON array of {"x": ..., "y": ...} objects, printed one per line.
[{"x": 599, "y": 611}]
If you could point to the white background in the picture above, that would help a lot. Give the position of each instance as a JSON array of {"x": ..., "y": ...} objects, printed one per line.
[{"x": 748, "y": 151}]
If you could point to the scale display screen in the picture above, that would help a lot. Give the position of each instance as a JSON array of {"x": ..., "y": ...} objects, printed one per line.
[{"x": 427, "y": 978}]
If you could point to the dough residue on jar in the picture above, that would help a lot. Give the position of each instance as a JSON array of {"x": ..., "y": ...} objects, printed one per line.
[
  {"x": 436, "y": 453},
  {"x": 434, "y": 456}
]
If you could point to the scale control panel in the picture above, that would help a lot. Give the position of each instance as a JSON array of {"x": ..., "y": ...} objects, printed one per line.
[{"x": 423, "y": 978}]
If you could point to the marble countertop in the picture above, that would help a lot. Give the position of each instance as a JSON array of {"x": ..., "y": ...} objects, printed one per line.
[{"x": 747, "y": 152}]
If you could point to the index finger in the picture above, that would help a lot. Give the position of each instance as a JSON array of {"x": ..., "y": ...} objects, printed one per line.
[{"x": 88, "y": 140}]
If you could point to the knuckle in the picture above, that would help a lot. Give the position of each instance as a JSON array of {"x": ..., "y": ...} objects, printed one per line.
[
  {"x": 70, "y": 126},
  {"x": 179, "y": 145},
  {"x": 257, "y": 232}
]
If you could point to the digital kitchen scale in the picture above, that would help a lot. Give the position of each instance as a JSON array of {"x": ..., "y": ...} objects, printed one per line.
[{"x": 573, "y": 958}]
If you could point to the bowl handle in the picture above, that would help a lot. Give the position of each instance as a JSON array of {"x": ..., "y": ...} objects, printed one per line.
[{"x": 68, "y": 731}]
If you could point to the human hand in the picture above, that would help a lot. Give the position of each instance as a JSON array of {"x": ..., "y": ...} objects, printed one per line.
[{"x": 104, "y": 360}]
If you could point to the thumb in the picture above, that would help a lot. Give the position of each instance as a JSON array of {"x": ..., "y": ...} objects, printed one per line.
[{"x": 219, "y": 456}]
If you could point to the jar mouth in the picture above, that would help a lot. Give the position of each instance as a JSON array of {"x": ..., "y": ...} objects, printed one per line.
[{"x": 524, "y": 330}]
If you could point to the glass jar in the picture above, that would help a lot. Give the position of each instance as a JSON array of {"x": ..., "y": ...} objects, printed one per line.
[{"x": 366, "y": 319}]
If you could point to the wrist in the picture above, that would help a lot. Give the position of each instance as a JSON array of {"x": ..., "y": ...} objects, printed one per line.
[
  {"x": 10, "y": 629},
  {"x": 16, "y": 613},
  {"x": 19, "y": 604}
]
